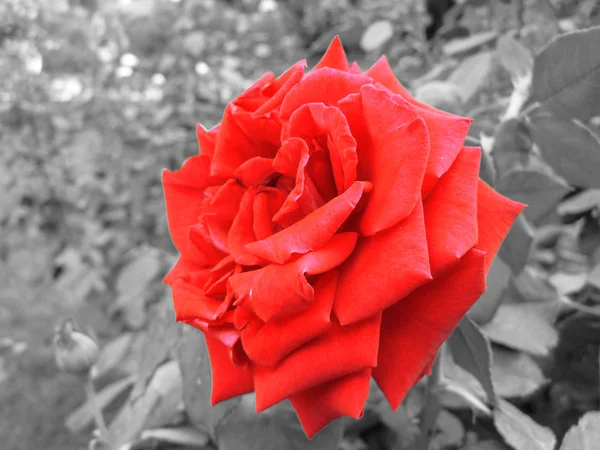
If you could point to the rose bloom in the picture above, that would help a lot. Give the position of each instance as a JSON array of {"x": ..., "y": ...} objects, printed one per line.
[{"x": 331, "y": 229}]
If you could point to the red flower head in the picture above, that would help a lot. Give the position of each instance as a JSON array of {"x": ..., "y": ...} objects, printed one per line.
[{"x": 332, "y": 229}]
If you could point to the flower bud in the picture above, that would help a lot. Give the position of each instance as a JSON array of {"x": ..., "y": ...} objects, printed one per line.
[{"x": 75, "y": 352}]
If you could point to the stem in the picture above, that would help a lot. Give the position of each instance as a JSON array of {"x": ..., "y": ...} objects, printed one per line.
[
  {"x": 88, "y": 385},
  {"x": 432, "y": 404}
]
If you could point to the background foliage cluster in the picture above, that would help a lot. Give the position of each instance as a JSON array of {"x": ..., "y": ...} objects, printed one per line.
[{"x": 97, "y": 97}]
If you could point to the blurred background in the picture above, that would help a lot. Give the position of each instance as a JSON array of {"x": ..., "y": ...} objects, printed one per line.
[{"x": 98, "y": 96}]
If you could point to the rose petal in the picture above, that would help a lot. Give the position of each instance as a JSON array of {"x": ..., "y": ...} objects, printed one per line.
[
  {"x": 313, "y": 120},
  {"x": 339, "y": 352},
  {"x": 266, "y": 203},
  {"x": 267, "y": 343},
  {"x": 283, "y": 289},
  {"x": 355, "y": 68},
  {"x": 241, "y": 232},
  {"x": 188, "y": 269},
  {"x": 495, "y": 216},
  {"x": 288, "y": 156},
  {"x": 184, "y": 194},
  {"x": 382, "y": 73},
  {"x": 322, "y": 404},
  {"x": 228, "y": 379},
  {"x": 191, "y": 303},
  {"x": 413, "y": 329},
  {"x": 334, "y": 57},
  {"x": 451, "y": 212},
  {"x": 324, "y": 85},
  {"x": 207, "y": 140},
  {"x": 254, "y": 96},
  {"x": 398, "y": 157},
  {"x": 225, "y": 333},
  {"x": 280, "y": 87},
  {"x": 447, "y": 132},
  {"x": 255, "y": 171},
  {"x": 304, "y": 197},
  {"x": 212, "y": 229},
  {"x": 212, "y": 247},
  {"x": 226, "y": 200},
  {"x": 352, "y": 108},
  {"x": 312, "y": 231},
  {"x": 383, "y": 269},
  {"x": 242, "y": 137}
]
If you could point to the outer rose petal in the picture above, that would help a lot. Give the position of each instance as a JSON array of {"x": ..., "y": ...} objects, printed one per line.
[
  {"x": 413, "y": 329},
  {"x": 451, "y": 212},
  {"x": 281, "y": 86},
  {"x": 447, "y": 132},
  {"x": 400, "y": 148},
  {"x": 283, "y": 289},
  {"x": 312, "y": 232},
  {"x": 184, "y": 197},
  {"x": 320, "y": 405},
  {"x": 207, "y": 140},
  {"x": 355, "y": 68},
  {"x": 334, "y": 57},
  {"x": 191, "y": 303},
  {"x": 228, "y": 380},
  {"x": 253, "y": 97},
  {"x": 340, "y": 351},
  {"x": 267, "y": 343},
  {"x": 188, "y": 270},
  {"x": 383, "y": 269},
  {"x": 325, "y": 85},
  {"x": 495, "y": 216}
]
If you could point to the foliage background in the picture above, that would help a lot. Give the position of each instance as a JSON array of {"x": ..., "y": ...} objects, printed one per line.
[{"x": 97, "y": 97}]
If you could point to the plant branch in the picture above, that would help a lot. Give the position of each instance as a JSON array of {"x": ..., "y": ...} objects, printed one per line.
[
  {"x": 88, "y": 385},
  {"x": 432, "y": 404}
]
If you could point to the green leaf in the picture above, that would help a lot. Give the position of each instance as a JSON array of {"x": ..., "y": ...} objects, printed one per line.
[
  {"x": 179, "y": 436},
  {"x": 473, "y": 41},
  {"x": 197, "y": 381},
  {"x": 568, "y": 146},
  {"x": 274, "y": 429},
  {"x": 487, "y": 445},
  {"x": 580, "y": 203},
  {"x": 585, "y": 435},
  {"x": 83, "y": 416},
  {"x": 594, "y": 277},
  {"x": 517, "y": 245},
  {"x": 442, "y": 95},
  {"x": 566, "y": 74},
  {"x": 538, "y": 190},
  {"x": 159, "y": 339},
  {"x": 156, "y": 407},
  {"x": 450, "y": 431},
  {"x": 377, "y": 34},
  {"x": 524, "y": 326},
  {"x": 515, "y": 57},
  {"x": 471, "y": 74},
  {"x": 497, "y": 278},
  {"x": 471, "y": 351},
  {"x": 112, "y": 354},
  {"x": 520, "y": 431},
  {"x": 567, "y": 283},
  {"x": 515, "y": 374}
]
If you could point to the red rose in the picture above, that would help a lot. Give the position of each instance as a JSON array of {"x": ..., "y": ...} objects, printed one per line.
[{"x": 332, "y": 229}]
